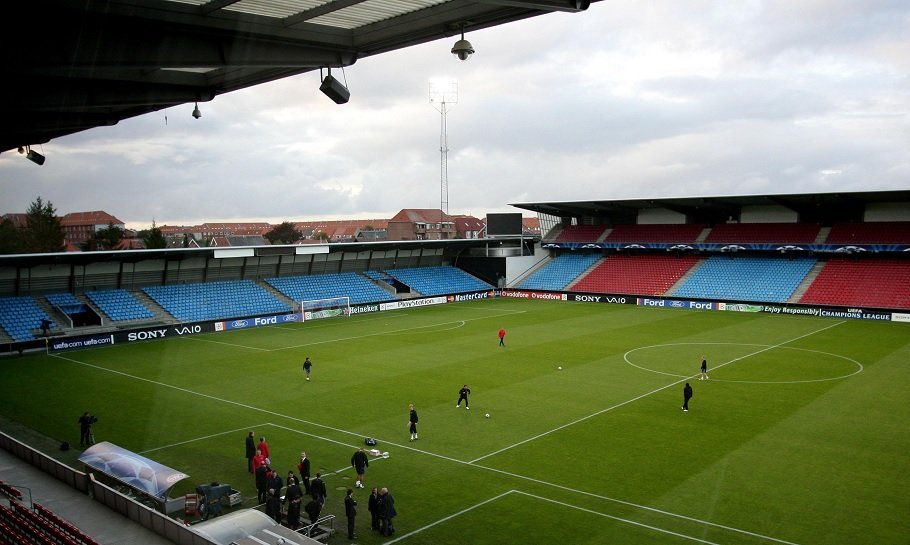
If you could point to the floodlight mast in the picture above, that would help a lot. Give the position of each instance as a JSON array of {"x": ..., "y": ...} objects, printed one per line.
[{"x": 443, "y": 95}]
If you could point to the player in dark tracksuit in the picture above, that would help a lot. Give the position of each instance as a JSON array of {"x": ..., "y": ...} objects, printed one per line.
[
  {"x": 687, "y": 394},
  {"x": 412, "y": 421},
  {"x": 463, "y": 395}
]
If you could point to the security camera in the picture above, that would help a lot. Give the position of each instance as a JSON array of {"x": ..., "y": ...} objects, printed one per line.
[{"x": 463, "y": 49}]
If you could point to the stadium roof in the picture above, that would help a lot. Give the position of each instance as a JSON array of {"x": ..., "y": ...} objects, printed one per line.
[
  {"x": 70, "y": 65},
  {"x": 811, "y": 207}
]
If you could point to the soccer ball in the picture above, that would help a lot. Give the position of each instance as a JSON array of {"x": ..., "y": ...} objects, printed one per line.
[
  {"x": 487, "y": 415},
  {"x": 560, "y": 367}
]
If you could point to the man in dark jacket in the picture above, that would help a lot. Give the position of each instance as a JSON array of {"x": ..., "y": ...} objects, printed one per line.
[
  {"x": 250, "y": 451},
  {"x": 687, "y": 394},
  {"x": 317, "y": 489},
  {"x": 374, "y": 507},
  {"x": 273, "y": 497},
  {"x": 262, "y": 482},
  {"x": 303, "y": 467},
  {"x": 293, "y": 497},
  {"x": 350, "y": 511},
  {"x": 387, "y": 510},
  {"x": 360, "y": 462}
]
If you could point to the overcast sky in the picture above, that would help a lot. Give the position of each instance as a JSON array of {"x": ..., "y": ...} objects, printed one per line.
[{"x": 629, "y": 99}]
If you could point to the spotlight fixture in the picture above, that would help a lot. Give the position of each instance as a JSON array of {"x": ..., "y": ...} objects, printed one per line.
[
  {"x": 334, "y": 89},
  {"x": 463, "y": 48},
  {"x": 32, "y": 155},
  {"x": 196, "y": 113}
]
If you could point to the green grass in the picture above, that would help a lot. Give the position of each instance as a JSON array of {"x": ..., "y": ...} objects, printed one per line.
[{"x": 800, "y": 436}]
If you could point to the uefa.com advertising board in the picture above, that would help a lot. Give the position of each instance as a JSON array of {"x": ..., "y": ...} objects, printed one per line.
[{"x": 180, "y": 330}]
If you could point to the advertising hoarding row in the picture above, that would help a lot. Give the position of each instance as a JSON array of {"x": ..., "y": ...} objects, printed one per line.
[{"x": 178, "y": 330}]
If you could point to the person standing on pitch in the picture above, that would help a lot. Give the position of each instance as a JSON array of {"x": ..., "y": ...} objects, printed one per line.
[
  {"x": 303, "y": 467},
  {"x": 250, "y": 451},
  {"x": 293, "y": 497},
  {"x": 687, "y": 394},
  {"x": 374, "y": 507},
  {"x": 307, "y": 365},
  {"x": 704, "y": 369},
  {"x": 350, "y": 511},
  {"x": 360, "y": 462},
  {"x": 264, "y": 450},
  {"x": 502, "y": 336},
  {"x": 317, "y": 489},
  {"x": 412, "y": 421},
  {"x": 85, "y": 421},
  {"x": 463, "y": 395}
]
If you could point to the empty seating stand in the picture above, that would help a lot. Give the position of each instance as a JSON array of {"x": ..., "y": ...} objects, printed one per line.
[
  {"x": 119, "y": 305},
  {"x": 325, "y": 286},
  {"x": 40, "y": 526},
  {"x": 741, "y": 278},
  {"x": 559, "y": 272},
  {"x": 580, "y": 233},
  {"x": 778, "y": 233},
  {"x": 638, "y": 275},
  {"x": 874, "y": 232},
  {"x": 20, "y": 316},
  {"x": 882, "y": 283},
  {"x": 215, "y": 300},
  {"x": 439, "y": 280},
  {"x": 669, "y": 233}
]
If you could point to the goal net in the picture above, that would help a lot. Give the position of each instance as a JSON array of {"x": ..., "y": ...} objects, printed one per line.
[{"x": 325, "y": 308}]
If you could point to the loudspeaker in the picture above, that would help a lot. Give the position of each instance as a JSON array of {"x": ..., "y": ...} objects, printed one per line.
[
  {"x": 335, "y": 90},
  {"x": 38, "y": 159}
]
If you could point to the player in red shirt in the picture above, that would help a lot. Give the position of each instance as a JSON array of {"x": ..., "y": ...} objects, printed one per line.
[{"x": 502, "y": 337}]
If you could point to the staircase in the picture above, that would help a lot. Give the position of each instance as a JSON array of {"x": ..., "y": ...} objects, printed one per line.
[
  {"x": 685, "y": 278},
  {"x": 807, "y": 281}
]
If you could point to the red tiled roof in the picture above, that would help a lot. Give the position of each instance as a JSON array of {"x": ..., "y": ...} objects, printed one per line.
[{"x": 95, "y": 217}]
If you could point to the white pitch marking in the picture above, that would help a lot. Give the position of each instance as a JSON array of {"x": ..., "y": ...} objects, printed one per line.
[
  {"x": 600, "y": 412},
  {"x": 450, "y": 517},
  {"x": 201, "y": 438},
  {"x": 620, "y": 519}
]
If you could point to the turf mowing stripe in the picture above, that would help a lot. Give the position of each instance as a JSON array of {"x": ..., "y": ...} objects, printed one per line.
[
  {"x": 450, "y": 517},
  {"x": 200, "y": 439},
  {"x": 600, "y": 412},
  {"x": 620, "y": 519},
  {"x": 251, "y": 407},
  {"x": 635, "y": 505}
]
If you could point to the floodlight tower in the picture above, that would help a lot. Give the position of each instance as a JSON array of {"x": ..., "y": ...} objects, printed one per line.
[{"x": 443, "y": 95}]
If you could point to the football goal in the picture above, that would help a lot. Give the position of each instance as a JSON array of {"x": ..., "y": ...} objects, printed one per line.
[{"x": 325, "y": 308}]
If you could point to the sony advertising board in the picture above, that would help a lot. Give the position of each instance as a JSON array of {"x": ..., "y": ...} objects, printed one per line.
[
  {"x": 602, "y": 298},
  {"x": 163, "y": 332}
]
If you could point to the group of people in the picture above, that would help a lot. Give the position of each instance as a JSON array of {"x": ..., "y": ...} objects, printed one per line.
[
  {"x": 381, "y": 506},
  {"x": 687, "y": 389},
  {"x": 269, "y": 485}
]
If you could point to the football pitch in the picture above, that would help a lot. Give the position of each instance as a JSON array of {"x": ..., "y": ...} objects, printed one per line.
[{"x": 799, "y": 436}]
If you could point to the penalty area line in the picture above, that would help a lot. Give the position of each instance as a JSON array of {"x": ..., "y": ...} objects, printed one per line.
[
  {"x": 450, "y": 517},
  {"x": 203, "y": 438},
  {"x": 618, "y": 519}
]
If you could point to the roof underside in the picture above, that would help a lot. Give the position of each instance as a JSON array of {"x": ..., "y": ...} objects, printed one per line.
[
  {"x": 817, "y": 207},
  {"x": 70, "y": 65}
]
